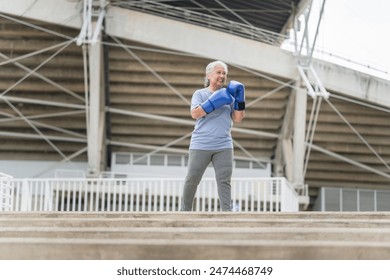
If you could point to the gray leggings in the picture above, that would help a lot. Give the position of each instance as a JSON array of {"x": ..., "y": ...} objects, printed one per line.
[{"x": 197, "y": 163}]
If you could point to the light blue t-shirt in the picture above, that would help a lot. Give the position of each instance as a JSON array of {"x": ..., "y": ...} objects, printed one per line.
[{"x": 212, "y": 131}]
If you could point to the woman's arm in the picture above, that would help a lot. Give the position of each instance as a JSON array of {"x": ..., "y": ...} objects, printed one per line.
[
  {"x": 197, "y": 113},
  {"x": 238, "y": 116}
]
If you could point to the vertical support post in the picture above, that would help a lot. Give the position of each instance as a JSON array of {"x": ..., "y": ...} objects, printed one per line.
[
  {"x": 90, "y": 36},
  {"x": 283, "y": 151},
  {"x": 304, "y": 51},
  {"x": 299, "y": 137},
  {"x": 96, "y": 110},
  {"x": 106, "y": 59},
  {"x": 288, "y": 158}
]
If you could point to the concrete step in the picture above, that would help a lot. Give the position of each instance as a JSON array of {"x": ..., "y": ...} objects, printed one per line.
[
  {"x": 199, "y": 249},
  {"x": 179, "y": 235},
  {"x": 191, "y": 215},
  {"x": 228, "y": 233},
  {"x": 195, "y": 220}
]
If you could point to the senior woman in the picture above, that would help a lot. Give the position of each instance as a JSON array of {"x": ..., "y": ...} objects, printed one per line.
[{"x": 215, "y": 109}]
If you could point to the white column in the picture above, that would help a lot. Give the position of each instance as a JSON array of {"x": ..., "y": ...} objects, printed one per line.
[
  {"x": 299, "y": 137},
  {"x": 283, "y": 152},
  {"x": 96, "y": 110}
]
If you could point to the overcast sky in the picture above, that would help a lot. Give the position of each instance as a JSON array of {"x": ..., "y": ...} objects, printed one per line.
[{"x": 358, "y": 30}]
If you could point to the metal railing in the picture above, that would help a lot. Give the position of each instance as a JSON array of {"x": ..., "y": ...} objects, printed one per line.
[
  {"x": 145, "y": 194},
  {"x": 205, "y": 20},
  {"x": 6, "y": 197}
]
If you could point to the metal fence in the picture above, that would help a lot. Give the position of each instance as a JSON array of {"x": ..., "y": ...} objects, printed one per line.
[
  {"x": 346, "y": 199},
  {"x": 145, "y": 194}
]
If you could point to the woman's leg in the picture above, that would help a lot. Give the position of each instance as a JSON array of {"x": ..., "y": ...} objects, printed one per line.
[
  {"x": 198, "y": 161},
  {"x": 223, "y": 166}
]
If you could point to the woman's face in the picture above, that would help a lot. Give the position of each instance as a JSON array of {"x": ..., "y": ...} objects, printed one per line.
[{"x": 217, "y": 77}]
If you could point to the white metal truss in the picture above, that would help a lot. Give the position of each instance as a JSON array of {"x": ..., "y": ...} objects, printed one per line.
[
  {"x": 304, "y": 52},
  {"x": 29, "y": 73},
  {"x": 47, "y": 80},
  {"x": 358, "y": 135},
  {"x": 30, "y": 120},
  {"x": 318, "y": 92},
  {"x": 150, "y": 69},
  {"x": 90, "y": 32},
  {"x": 19, "y": 113}
]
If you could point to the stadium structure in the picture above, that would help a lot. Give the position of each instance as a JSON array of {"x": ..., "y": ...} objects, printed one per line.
[{"x": 95, "y": 100}]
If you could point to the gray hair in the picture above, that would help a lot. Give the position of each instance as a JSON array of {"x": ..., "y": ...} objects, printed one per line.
[{"x": 210, "y": 67}]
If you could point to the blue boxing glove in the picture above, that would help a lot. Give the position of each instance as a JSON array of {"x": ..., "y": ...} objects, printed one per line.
[
  {"x": 237, "y": 90},
  {"x": 216, "y": 100}
]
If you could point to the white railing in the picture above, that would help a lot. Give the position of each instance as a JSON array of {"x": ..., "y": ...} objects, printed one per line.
[
  {"x": 6, "y": 197},
  {"x": 145, "y": 194}
]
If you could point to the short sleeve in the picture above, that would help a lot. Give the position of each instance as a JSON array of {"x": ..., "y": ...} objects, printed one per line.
[{"x": 196, "y": 100}]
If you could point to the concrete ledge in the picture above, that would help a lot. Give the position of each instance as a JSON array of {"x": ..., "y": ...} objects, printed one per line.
[
  {"x": 191, "y": 215},
  {"x": 195, "y": 249},
  {"x": 202, "y": 233}
]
